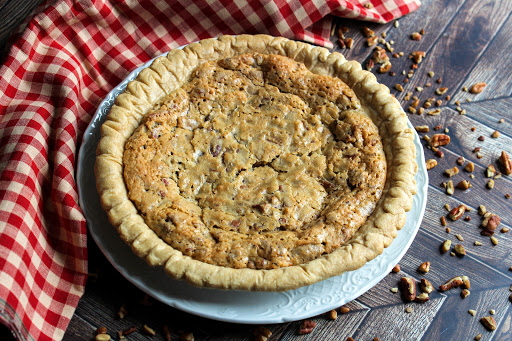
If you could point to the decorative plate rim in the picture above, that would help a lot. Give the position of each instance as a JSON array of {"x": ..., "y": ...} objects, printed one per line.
[{"x": 259, "y": 307}]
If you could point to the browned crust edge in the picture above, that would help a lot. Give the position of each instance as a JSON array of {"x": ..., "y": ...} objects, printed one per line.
[{"x": 168, "y": 73}]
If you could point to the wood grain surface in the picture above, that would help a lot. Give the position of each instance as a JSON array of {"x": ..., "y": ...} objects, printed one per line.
[{"x": 465, "y": 42}]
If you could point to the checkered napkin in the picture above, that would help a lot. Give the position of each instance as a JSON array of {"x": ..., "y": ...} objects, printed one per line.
[{"x": 71, "y": 54}]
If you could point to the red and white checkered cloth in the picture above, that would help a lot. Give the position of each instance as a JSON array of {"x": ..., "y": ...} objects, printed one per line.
[{"x": 70, "y": 56}]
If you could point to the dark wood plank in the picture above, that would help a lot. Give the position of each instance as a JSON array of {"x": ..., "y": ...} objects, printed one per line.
[
  {"x": 489, "y": 113},
  {"x": 455, "y": 312},
  {"x": 393, "y": 322},
  {"x": 413, "y": 22},
  {"x": 492, "y": 68},
  {"x": 443, "y": 266},
  {"x": 381, "y": 295},
  {"x": 459, "y": 47},
  {"x": 505, "y": 330},
  {"x": 12, "y": 14},
  {"x": 345, "y": 325},
  {"x": 499, "y": 257},
  {"x": 494, "y": 199},
  {"x": 79, "y": 329}
]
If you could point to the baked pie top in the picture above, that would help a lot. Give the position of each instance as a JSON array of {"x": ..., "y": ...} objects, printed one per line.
[
  {"x": 248, "y": 163},
  {"x": 256, "y": 162}
]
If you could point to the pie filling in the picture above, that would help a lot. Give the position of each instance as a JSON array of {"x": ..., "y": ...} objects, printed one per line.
[{"x": 256, "y": 162}]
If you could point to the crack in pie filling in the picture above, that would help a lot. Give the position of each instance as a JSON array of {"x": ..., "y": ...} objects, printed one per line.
[{"x": 256, "y": 163}]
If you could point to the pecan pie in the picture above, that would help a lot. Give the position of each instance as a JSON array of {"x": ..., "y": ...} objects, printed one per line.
[{"x": 256, "y": 163}]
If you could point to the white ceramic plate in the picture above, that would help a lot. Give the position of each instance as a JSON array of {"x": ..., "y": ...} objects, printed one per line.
[{"x": 233, "y": 306}]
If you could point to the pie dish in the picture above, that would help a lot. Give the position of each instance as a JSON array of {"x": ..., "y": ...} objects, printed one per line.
[{"x": 260, "y": 185}]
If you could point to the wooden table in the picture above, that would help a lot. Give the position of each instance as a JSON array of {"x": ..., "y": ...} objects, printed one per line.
[{"x": 465, "y": 42}]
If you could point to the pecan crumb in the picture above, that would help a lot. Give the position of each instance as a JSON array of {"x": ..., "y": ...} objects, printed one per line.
[
  {"x": 459, "y": 250},
  {"x": 424, "y": 267},
  {"x": 307, "y": 326},
  {"x": 489, "y": 322},
  {"x": 416, "y": 36},
  {"x": 477, "y": 88},
  {"x": 446, "y": 246},
  {"x": 506, "y": 162}
]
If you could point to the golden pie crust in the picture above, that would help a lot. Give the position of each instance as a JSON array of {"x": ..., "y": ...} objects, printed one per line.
[{"x": 256, "y": 163}]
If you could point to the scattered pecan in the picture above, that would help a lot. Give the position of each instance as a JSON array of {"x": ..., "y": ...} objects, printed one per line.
[
  {"x": 459, "y": 250},
  {"x": 477, "y": 88},
  {"x": 443, "y": 221},
  {"x": 466, "y": 284},
  {"x": 415, "y": 36},
  {"x": 421, "y": 129},
  {"x": 470, "y": 167},
  {"x": 122, "y": 312},
  {"x": 445, "y": 247},
  {"x": 417, "y": 56},
  {"x": 494, "y": 240},
  {"x": 490, "y": 171},
  {"x": 349, "y": 42},
  {"x": 495, "y": 134},
  {"x": 451, "y": 171},
  {"x": 380, "y": 56},
  {"x": 426, "y": 286},
  {"x": 506, "y": 162},
  {"x": 333, "y": 315},
  {"x": 408, "y": 288},
  {"x": 464, "y": 184},
  {"x": 449, "y": 187},
  {"x": 367, "y": 32},
  {"x": 148, "y": 331},
  {"x": 101, "y": 330},
  {"x": 385, "y": 67},
  {"x": 102, "y": 337},
  {"x": 307, "y": 326},
  {"x": 464, "y": 293},
  {"x": 424, "y": 267},
  {"x": 262, "y": 331},
  {"x": 441, "y": 91},
  {"x": 342, "y": 30},
  {"x": 457, "y": 212},
  {"x": 396, "y": 268},
  {"x": 455, "y": 282},
  {"x": 481, "y": 138},
  {"x": 439, "y": 153},
  {"x": 439, "y": 140},
  {"x": 490, "y": 184},
  {"x": 344, "y": 310},
  {"x": 489, "y": 322},
  {"x": 422, "y": 298},
  {"x": 460, "y": 160},
  {"x": 436, "y": 112},
  {"x": 370, "y": 65},
  {"x": 129, "y": 331},
  {"x": 430, "y": 163},
  {"x": 371, "y": 41}
]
